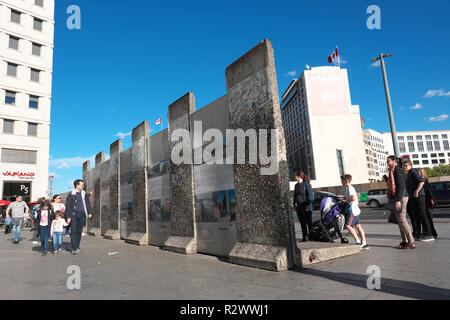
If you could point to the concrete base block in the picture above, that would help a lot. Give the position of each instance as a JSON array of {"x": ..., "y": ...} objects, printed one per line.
[
  {"x": 259, "y": 256},
  {"x": 137, "y": 238},
  {"x": 316, "y": 252},
  {"x": 183, "y": 245},
  {"x": 112, "y": 235},
  {"x": 95, "y": 232}
]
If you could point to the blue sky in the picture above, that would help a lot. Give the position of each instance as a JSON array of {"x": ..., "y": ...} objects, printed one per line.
[{"x": 130, "y": 61}]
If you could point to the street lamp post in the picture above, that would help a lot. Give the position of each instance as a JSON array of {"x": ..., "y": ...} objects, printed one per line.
[{"x": 389, "y": 104}]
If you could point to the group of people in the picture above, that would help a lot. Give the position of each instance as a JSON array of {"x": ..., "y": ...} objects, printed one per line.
[
  {"x": 409, "y": 192},
  {"x": 49, "y": 218},
  {"x": 304, "y": 197}
]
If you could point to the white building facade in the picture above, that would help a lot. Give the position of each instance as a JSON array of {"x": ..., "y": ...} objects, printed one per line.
[
  {"x": 426, "y": 149},
  {"x": 323, "y": 130},
  {"x": 376, "y": 154},
  {"x": 26, "y": 67}
]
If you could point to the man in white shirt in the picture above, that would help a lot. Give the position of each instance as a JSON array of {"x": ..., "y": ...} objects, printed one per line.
[
  {"x": 19, "y": 211},
  {"x": 353, "y": 211}
]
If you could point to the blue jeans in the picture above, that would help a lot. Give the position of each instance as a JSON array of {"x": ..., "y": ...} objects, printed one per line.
[
  {"x": 17, "y": 228},
  {"x": 76, "y": 229},
  {"x": 57, "y": 241},
  {"x": 43, "y": 232}
]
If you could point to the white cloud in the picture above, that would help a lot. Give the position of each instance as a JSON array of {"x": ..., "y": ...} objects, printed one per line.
[
  {"x": 122, "y": 136},
  {"x": 376, "y": 64},
  {"x": 70, "y": 162},
  {"x": 438, "y": 93},
  {"x": 418, "y": 106},
  {"x": 439, "y": 119},
  {"x": 291, "y": 73}
]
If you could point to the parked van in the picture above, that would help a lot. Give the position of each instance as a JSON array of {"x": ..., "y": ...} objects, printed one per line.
[
  {"x": 441, "y": 192},
  {"x": 377, "y": 198}
]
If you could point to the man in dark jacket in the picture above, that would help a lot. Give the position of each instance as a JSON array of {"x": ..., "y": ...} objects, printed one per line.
[
  {"x": 78, "y": 208},
  {"x": 302, "y": 204}
]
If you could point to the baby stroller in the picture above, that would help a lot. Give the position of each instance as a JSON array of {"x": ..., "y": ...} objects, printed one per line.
[{"x": 330, "y": 227}]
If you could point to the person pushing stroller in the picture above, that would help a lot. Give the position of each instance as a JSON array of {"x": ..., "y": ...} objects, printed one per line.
[{"x": 353, "y": 212}]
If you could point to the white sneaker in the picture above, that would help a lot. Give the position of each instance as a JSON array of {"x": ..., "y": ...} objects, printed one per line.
[{"x": 358, "y": 242}]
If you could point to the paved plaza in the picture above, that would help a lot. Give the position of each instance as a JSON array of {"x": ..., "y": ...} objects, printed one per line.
[{"x": 133, "y": 272}]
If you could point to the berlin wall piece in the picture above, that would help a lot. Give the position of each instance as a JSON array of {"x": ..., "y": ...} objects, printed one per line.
[
  {"x": 86, "y": 169},
  {"x": 265, "y": 228},
  {"x": 111, "y": 222},
  {"x": 137, "y": 224},
  {"x": 183, "y": 237},
  {"x": 94, "y": 224}
]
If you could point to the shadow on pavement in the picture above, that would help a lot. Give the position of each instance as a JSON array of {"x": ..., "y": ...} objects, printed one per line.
[{"x": 401, "y": 288}]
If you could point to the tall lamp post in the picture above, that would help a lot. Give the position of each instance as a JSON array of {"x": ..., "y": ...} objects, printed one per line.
[{"x": 389, "y": 104}]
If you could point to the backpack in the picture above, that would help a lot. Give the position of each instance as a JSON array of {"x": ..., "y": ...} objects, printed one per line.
[{"x": 312, "y": 191}]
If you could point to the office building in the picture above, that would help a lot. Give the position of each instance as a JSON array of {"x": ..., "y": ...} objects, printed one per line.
[{"x": 26, "y": 63}]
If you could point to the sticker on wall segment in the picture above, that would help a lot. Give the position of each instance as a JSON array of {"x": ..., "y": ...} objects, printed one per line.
[{"x": 74, "y": 20}]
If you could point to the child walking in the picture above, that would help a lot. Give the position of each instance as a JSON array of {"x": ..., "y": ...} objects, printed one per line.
[
  {"x": 352, "y": 218},
  {"x": 57, "y": 230}
]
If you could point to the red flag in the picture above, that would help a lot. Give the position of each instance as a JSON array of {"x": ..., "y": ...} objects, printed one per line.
[
  {"x": 333, "y": 56},
  {"x": 158, "y": 122}
]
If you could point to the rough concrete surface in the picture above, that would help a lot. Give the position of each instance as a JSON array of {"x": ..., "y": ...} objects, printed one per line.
[{"x": 150, "y": 273}]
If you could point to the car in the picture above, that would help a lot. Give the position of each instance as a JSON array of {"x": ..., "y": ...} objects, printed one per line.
[
  {"x": 441, "y": 192},
  {"x": 319, "y": 195},
  {"x": 377, "y": 198}
]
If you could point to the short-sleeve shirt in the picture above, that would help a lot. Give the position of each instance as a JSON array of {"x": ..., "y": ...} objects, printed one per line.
[
  {"x": 44, "y": 218},
  {"x": 18, "y": 209},
  {"x": 349, "y": 192}
]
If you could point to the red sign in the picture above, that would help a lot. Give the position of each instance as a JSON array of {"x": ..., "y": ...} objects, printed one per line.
[{"x": 20, "y": 175}]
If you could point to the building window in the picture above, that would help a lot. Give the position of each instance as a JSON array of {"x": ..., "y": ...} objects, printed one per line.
[
  {"x": 10, "y": 97},
  {"x": 401, "y": 139},
  {"x": 434, "y": 161},
  {"x": 12, "y": 69},
  {"x": 444, "y": 137},
  {"x": 437, "y": 146},
  {"x": 441, "y": 155},
  {"x": 32, "y": 129},
  {"x": 419, "y": 138},
  {"x": 446, "y": 145},
  {"x": 8, "y": 126},
  {"x": 428, "y": 137},
  {"x": 34, "y": 102},
  {"x": 430, "y": 146},
  {"x": 14, "y": 43},
  {"x": 402, "y": 147},
  {"x": 426, "y": 162},
  {"x": 442, "y": 161},
  {"x": 15, "y": 16},
  {"x": 411, "y": 147},
  {"x": 415, "y": 156},
  {"x": 35, "y": 75},
  {"x": 416, "y": 162},
  {"x": 436, "y": 137},
  {"x": 424, "y": 156},
  {"x": 434, "y": 155},
  {"x": 410, "y": 138},
  {"x": 37, "y": 24},
  {"x": 19, "y": 156},
  {"x": 340, "y": 159},
  {"x": 36, "y": 49},
  {"x": 39, "y": 3},
  {"x": 420, "y": 146}
]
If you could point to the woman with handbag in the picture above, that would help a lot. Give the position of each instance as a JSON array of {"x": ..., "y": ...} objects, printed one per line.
[{"x": 398, "y": 201}]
